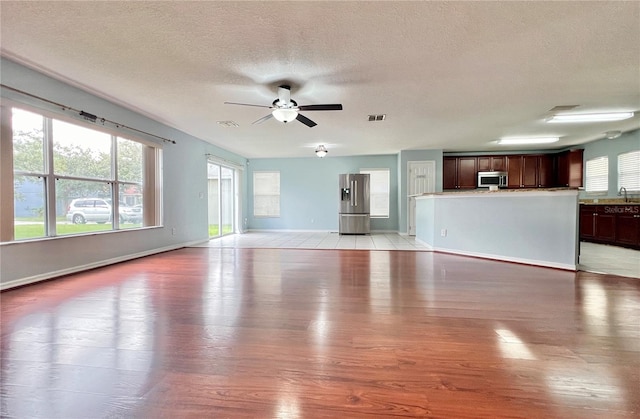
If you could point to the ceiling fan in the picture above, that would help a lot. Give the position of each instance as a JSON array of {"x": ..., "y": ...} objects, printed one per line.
[{"x": 285, "y": 109}]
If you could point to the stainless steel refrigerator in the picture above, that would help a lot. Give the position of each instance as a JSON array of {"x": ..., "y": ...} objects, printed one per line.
[{"x": 354, "y": 204}]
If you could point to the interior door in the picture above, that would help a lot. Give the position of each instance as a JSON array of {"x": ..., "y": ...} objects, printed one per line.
[{"x": 421, "y": 179}]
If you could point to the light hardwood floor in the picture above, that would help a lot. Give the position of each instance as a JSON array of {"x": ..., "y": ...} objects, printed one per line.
[{"x": 301, "y": 333}]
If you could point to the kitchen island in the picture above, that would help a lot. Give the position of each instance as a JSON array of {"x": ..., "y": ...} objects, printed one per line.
[{"x": 531, "y": 226}]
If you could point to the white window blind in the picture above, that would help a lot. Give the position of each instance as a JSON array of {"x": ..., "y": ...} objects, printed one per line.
[
  {"x": 629, "y": 170},
  {"x": 378, "y": 192},
  {"x": 266, "y": 194},
  {"x": 597, "y": 174}
]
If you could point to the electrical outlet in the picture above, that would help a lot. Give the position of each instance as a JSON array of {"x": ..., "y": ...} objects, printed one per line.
[
  {"x": 173, "y": 231},
  {"x": 443, "y": 232}
]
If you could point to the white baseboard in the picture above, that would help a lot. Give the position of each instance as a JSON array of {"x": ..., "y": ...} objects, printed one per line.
[
  {"x": 534, "y": 262},
  {"x": 75, "y": 269}
]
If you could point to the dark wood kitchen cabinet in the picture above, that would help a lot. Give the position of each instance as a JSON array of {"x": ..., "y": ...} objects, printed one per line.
[
  {"x": 569, "y": 167},
  {"x": 459, "y": 173},
  {"x": 611, "y": 224},
  {"x": 628, "y": 230},
  {"x": 530, "y": 171},
  {"x": 492, "y": 164},
  {"x": 587, "y": 222}
]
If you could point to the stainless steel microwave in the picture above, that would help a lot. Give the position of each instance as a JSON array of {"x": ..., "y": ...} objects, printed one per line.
[{"x": 488, "y": 179}]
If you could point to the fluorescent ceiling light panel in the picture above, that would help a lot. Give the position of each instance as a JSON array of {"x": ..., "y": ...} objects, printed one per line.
[
  {"x": 591, "y": 117},
  {"x": 520, "y": 141}
]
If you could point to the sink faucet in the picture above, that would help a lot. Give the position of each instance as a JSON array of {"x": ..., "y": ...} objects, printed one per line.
[{"x": 623, "y": 189}]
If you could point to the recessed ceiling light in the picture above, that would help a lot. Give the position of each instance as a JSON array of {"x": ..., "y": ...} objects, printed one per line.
[
  {"x": 591, "y": 117},
  {"x": 532, "y": 140}
]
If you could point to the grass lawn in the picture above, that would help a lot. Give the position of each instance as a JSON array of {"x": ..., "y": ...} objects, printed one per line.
[
  {"x": 213, "y": 229},
  {"x": 25, "y": 230},
  {"x": 31, "y": 231}
]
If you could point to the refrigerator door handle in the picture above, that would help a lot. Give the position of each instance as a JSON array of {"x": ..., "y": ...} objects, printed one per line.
[
  {"x": 356, "y": 194},
  {"x": 353, "y": 192}
]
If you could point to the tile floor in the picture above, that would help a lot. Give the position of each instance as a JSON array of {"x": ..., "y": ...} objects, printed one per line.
[
  {"x": 318, "y": 240},
  {"x": 593, "y": 257},
  {"x": 615, "y": 260}
]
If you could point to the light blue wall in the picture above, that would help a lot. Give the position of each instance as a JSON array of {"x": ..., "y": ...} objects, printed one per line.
[
  {"x": 309, "y": 191},
  {"x": 404, "y": 157},
  {"x": 611, "y": 148},
  {"x": 184, "y": 179},
  {"x": 537, "y": 227}
]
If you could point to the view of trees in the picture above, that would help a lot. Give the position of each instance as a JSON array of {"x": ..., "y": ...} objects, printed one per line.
[{"x": 81, "y": 161}]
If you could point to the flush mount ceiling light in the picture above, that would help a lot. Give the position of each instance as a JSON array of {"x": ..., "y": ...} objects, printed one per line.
[
  {"x": 612, "y": 135},
  {"x": 284, "y": 114},
  {"x": 591, "y": 117},
  {"x": 532, "y": 140},
  {"x": 321, "y": 151}
]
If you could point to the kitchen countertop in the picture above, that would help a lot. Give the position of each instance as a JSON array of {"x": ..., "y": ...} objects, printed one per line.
[
  {"x": 608, "y": 202},
  {"x": 499, "y": 191}
]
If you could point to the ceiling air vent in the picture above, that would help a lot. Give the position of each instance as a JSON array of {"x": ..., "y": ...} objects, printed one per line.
[
  {"x": 562, "y": 108},
  {"x": 380, "y": 117},
  {"x": 228, "y": 124}
]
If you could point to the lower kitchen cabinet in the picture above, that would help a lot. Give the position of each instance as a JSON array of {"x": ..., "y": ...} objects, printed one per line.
[
  {"x": 628, "y": 229},
  {"x": 611, "y": 224}
]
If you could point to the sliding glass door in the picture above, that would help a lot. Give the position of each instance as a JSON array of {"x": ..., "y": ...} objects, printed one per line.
[{"x": 222, "y": 186}]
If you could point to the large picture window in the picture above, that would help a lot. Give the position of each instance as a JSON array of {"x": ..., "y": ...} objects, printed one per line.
[{"x": 71, "y": 179}]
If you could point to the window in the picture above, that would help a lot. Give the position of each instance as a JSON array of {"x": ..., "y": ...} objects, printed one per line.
[
  {"x": 266, "y": 194},
  {"x": 378, "y": 192},
  {"x": 597, "y": 174},
  {"x": 629, "y": 171},
  {"x": 70, "y": 179}
]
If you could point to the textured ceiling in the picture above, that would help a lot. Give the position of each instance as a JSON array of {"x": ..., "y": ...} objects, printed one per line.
[{"x": 448, "y": 75}]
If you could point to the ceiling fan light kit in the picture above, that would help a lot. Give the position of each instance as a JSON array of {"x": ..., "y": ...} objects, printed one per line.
[
  {"x": 591, "y": 117},
  {"x": 285, "y": 115},
  {"x": 285, "y": 110}
]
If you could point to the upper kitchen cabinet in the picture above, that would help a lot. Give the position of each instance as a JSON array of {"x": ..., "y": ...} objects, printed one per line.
[
  {"x": 492, "y": 164},
  {"x": 530, "y": 171},
  {"x": 459, "y": 172},
  {"x": 568, "y": 165}
]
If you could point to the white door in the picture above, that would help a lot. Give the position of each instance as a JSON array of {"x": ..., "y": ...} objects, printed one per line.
[{"x": 422, "y": 179}]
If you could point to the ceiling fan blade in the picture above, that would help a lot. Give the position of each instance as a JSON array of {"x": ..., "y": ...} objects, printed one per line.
[
  {"x": 284, "y": 94},
  {"x": 261, "y": 120},
  {"x": 246, "y": 104},
  {"x": 333, "y": 107},
  {"x": 306, "y": 121}
]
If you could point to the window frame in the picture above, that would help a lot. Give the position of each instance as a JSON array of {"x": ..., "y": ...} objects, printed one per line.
[
  {"x": 386, "y": 170},
  {"x": 275, "y": 214},
  {"x": 589, "y": 178},
  {"x": 150, "y": 184},
  {"x": 630, "y": 187}
]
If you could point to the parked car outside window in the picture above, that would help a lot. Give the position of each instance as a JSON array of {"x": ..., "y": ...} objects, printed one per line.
[{"x": 98, "y": 210}]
